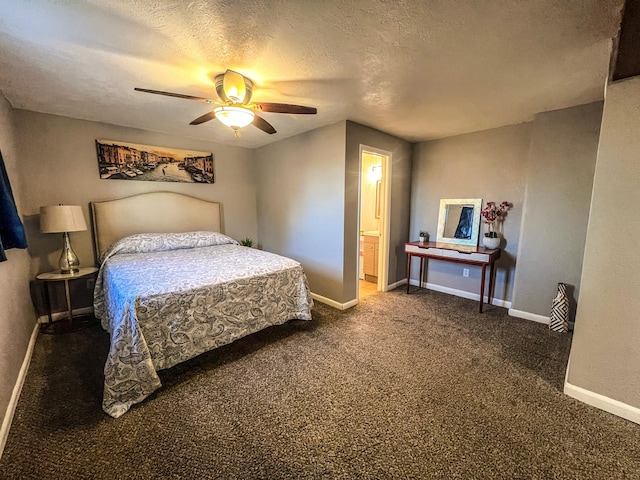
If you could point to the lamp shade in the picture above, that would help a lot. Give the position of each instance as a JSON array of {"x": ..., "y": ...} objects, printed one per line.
[
  {"x": 62, "y": 218},
  {"x": 234, "y": 117}
]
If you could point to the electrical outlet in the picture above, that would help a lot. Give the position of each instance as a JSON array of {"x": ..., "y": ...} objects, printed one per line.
[
  {"x": 465, "y": 272},
  {"x": 90, "y": 283}
]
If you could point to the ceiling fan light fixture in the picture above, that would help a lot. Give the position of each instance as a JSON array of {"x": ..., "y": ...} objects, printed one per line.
[
  {"x": 234, "y": 91},
  {"x": 234, "y": 117},
  {"x": 233, "y": 87}
]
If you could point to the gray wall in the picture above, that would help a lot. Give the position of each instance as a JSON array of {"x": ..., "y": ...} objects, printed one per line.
[
  {"x": 562, "y": 161},
  {"x": 58, "y": 165},
  {"x": 300, "y": 191},
  {"x": 490, "y": 165},
  {"x": 308, "y": 203},
  {"x": 401, "y": 156},
  {"x": 605, "y": 355},
  {"x": 17, "y": 317}
]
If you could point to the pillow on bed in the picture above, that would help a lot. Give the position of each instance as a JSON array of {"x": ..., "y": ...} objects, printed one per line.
[{"x": 157, "y": 242}]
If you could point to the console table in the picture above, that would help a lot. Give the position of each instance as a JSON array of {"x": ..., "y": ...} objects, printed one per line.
[{"x": 447, "y": 252}]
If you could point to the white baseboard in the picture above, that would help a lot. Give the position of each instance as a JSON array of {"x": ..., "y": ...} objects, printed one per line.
[
  {"x": 333, "y": 303},
  {"x": 430, "y": 286},
  {"x": 607, "y": 404},
  {"x": 462, "y": 293},
  {"x": 351, "y": 303},
  {"x": 61, "y": 315},
  {"x": 534, "y": 317},
  {"x": 396, "y": 285},
  {"x": 17, "y": 388}
]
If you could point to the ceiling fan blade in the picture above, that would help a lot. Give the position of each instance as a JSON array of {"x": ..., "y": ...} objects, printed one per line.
[
  {"x": 177, "y": 95},
  {"x": 263, "y": 125},
  {"x": 285, "y": 108},
  {"x": 204, "y": 118}
]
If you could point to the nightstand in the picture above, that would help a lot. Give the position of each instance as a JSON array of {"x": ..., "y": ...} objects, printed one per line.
[{"x": 62, "y": 326}]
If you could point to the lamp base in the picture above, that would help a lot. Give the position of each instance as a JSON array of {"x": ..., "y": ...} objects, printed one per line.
[
  {"x": 68, "y": 262},
  {"x": 66, "y": 271}
]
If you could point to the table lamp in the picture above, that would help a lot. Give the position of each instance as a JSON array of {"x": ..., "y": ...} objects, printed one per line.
[{"x": 64, "y": 219}]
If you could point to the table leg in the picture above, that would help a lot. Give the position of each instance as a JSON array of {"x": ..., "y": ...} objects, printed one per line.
[
  {"x": 47, "y": 297},
  {"x": 421, "y": 272},
  {"x": 492, "y": 281},
  {"x": 484, "y": 269},
  {"x": 68, "y": 297},
  {"x": 408, "y": 272}
]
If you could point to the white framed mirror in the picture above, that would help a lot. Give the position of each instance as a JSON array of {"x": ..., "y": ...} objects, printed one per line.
[{"x": 459, "y": 221}]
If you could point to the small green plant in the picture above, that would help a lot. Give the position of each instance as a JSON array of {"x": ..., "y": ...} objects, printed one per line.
[
  {"x": 247, "y": 242},
  {"x": 423, "y": 233}
]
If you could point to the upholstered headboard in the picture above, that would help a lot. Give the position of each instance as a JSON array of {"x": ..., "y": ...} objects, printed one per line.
[{"x": 155, "y": 212}]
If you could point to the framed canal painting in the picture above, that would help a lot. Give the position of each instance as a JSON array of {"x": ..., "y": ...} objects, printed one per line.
[{"x": 132, "y": 161}]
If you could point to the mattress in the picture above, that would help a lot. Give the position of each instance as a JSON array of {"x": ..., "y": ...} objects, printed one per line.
[{"x": 165, "y": 298}]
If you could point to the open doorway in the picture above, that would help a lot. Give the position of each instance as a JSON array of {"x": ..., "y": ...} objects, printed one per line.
[{"x": 373, "y": 221}]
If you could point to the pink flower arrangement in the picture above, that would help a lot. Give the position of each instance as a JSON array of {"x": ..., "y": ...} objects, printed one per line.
[{"x": 493, "y": 213}]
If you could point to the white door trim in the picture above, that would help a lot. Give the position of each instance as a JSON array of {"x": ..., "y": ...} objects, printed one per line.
[{"x": 385, "y": 225}]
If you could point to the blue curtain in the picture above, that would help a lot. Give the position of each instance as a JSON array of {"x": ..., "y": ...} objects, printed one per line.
[{"x": 11, "y": 228}]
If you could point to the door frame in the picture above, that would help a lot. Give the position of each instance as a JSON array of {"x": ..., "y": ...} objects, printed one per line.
[{"x": 385, "y": 217}]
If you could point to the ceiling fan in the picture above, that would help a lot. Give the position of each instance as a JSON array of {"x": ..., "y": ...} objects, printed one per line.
[{"x": 236, "y": 109}]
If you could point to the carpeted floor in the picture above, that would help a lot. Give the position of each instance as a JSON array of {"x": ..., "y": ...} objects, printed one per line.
[{"x": 401, "y": 386}]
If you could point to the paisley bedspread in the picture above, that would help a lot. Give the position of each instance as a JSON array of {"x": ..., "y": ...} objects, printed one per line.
[{"x": 166, "y": 298}]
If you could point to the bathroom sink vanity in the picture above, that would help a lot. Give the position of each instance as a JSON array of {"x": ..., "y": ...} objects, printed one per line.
[{"x": 370, "y": 255}]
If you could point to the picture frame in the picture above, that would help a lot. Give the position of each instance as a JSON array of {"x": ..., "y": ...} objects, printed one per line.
[
  {"x": 132, "y": 161},
  {"x": 459, "y": 221}
]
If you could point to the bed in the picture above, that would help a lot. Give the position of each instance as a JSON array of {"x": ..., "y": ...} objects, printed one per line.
[{"x": 172, "y": 286}]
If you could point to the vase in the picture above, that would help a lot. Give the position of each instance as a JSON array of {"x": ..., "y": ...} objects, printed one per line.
[
  {"x": 491, "y": 242},
  {"x": 423, "y": 239},
  {"x": 559, "y": 319}
]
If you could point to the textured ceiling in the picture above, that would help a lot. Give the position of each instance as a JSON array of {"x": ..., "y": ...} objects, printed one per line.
[{"x": 416, "y": 69}]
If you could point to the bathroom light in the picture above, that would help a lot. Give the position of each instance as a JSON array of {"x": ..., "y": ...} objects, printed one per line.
[
  {"x": 376, "y": 173},
  {"x": 234, "y": 117}
]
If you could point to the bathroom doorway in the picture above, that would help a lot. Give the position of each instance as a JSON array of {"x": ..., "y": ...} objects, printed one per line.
[{"x": 373, "y": 221}]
